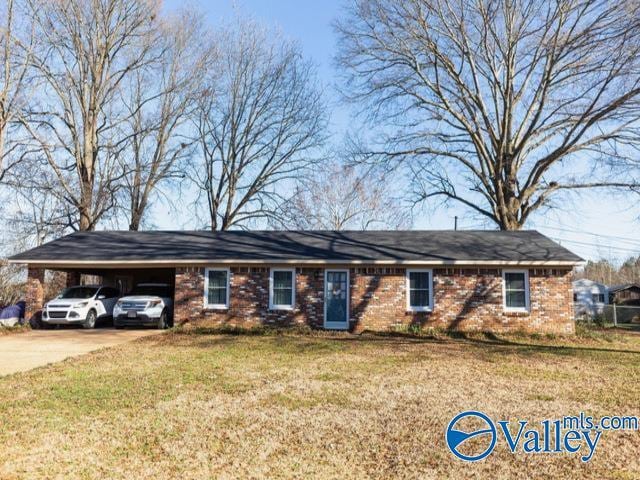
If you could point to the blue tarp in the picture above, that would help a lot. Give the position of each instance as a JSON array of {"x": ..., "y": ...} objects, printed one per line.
[{"x": 13, "y": 312}]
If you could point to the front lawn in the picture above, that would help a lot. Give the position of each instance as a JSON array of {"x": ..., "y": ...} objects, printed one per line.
[{"x": 191, "y": 406}]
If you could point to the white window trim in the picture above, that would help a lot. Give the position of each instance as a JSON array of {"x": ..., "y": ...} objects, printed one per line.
[
  {"x": 273, "y": 306},
  {"x": 216, "y": 306},
  {"x": 527, "y": 304},
  {"x": 408, "y": 273}
]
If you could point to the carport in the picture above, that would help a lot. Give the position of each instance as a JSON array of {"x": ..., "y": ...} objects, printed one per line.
[
  {"x": 119, "y": 259},
  {"x": 122, "y": 277}
]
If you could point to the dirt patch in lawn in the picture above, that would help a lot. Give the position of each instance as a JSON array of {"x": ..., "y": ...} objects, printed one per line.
[{"x": 298, "y": 406}]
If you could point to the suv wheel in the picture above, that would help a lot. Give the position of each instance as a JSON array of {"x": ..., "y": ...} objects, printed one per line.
[
  {"x": 90, "y": 322},
  {"x": 162, "y": 321}
]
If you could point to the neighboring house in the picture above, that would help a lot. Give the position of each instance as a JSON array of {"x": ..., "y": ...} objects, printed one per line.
[
  {"x": 628, "y": 294},
  {"x": 464, "y": 280},
  {"x": 589, "y": 297}
]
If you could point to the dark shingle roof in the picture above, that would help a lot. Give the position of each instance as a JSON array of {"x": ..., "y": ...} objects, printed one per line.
[
  {"x": 438, "y": 246},
  {"x": 626, "y": 286}
]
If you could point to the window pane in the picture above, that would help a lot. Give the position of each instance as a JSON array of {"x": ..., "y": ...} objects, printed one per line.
[
  {"x": 419, "y": 298},
  {"x": 515, "y": 299},
  {"x": 337, "y": 285},
  {"x": 514, "y": 281},
  {"x": 217, "y": 278},
  {"x": 217, "y": 294},
  {"x": 282, "y": 288},
  {"x": 282, "y": 280},
  {"x": 283, "y": 296},
  {"x": 419, "y": 280}
]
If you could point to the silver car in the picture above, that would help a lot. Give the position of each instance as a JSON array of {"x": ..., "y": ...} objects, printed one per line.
[{"x": 148, "y": 304}]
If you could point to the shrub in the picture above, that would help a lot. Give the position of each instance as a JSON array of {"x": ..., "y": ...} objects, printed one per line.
[
  {"x": 599, "y": 320},
  {"x": 11, "y": 284}
]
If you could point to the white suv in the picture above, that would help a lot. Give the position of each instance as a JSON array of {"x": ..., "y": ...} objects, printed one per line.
[
  {"x": 147, "y": 304},
  {"x": 84, "y": 305}
]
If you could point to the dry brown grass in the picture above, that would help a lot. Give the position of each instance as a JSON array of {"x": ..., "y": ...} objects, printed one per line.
[
  {"x": 14, "y": 330},
  {"x": 293, "y": 406}
]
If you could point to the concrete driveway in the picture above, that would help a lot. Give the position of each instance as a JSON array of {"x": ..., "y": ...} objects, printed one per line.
[{"x": 24, "y": 351}]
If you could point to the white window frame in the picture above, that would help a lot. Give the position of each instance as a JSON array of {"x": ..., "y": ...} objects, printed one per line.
[
  {"x": 527, "y": 304},
  {"x": 273, "y": 306},
  {"x": 410, "y": 308},
  {"x": 216, "y": 306}
]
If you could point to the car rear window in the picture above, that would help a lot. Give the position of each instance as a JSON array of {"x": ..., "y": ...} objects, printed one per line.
[
  {"x": 79, "y": 292},
  {"x": 157, "y": 290}
]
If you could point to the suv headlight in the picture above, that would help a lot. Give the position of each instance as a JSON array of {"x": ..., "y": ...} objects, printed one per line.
[
  {"x": 81, "y": 305},
  {"x": 118, "y": 304},
  {"x": 154, "y": 303}
]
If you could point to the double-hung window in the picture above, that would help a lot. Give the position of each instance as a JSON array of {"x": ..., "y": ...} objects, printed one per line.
[
  {"x": 419, "y": 290},
  {"x": 515, "y": 284},
  {"x": 282, "y": 292},
  {"x": 216, "y": 288}
]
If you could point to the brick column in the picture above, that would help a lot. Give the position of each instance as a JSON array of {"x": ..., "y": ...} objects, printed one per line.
[
  {"x": 188, "y": 296},
  {"x": 73, "y": 279},
  {"x": 34, "y": 296}
]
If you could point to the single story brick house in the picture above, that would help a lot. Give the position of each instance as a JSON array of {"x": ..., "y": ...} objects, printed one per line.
[{"x": 375, "y": 280}]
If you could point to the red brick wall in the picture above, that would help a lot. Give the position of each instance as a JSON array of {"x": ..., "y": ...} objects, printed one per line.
[
  {"x": 34, "y": 295},
  {"x": 249, "y": 299},
  {"x": 464, "y": 299}
]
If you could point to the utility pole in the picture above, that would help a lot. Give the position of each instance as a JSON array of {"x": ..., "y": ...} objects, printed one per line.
[{"x": 455, "y": 222}]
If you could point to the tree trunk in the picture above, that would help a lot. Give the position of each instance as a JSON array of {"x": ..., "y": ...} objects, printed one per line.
[
  {"x": 134, "y": 226},
  {"x": 137, "y": 212},
  {"x": 86, "y": 202}
]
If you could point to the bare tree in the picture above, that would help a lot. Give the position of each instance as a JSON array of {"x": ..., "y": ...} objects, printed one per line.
[
  {"x": 16, "y": 44},
  {"x": 498, "y": 104},
  {"x": 607, "y": 272},
  {"x": 160, "y": 102},
  {"x": 340, "y": 197},
  {"x": 89, "y": 48},
  {"x": 11, "y": 284},
  {"x": 35, "y": 213},
  {"x": 258, "y": 124}
]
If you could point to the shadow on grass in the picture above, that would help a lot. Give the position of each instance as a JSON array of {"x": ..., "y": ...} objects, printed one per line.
[
  {"x": 305, "y": 339},
  {"x": 285, "y": 340}
]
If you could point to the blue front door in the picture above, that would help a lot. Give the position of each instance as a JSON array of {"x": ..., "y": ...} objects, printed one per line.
[{"x": 336, "y": 299}]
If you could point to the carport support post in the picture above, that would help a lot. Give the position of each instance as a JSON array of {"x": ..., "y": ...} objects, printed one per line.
[{"x": 34, "y": 295}]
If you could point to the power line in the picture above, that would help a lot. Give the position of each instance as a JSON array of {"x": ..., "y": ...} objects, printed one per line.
[
  {"x": 634, "y": 241},
  {"x": 587, "y": 244}
]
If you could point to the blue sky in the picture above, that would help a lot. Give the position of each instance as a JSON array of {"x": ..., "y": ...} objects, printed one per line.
[{"x": 594, "y": 225}]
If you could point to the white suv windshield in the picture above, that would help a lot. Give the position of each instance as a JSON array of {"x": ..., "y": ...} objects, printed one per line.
[{"x": 79, "y": 292}]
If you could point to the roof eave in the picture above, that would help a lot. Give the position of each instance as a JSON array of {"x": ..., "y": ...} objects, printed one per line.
[{"x": 200, "y": 262}]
